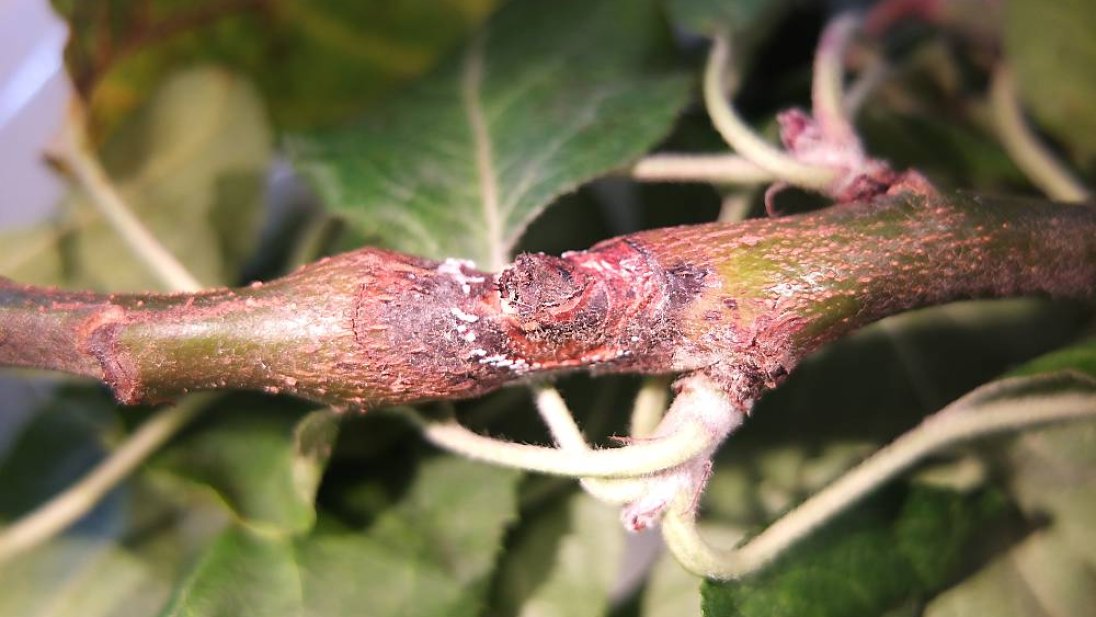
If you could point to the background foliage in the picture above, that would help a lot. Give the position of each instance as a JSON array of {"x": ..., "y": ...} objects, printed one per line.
[{"x": 462, "y": 128}]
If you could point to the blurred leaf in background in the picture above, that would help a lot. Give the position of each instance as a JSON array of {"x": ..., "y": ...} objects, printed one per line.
[
  {"x": 865, "y": 566},
  {"x": 1052, "y": 51},
  {"x": 565, "y": 562},
  {"x": 871, "y": 560},
  {"x": 192, "y": 165},
  {"x": 315, "y": 61},
  {"x": 431, "y": 553},
  {"x": 123, "y": 557},
  {"x": 264, "y": 463},
  {"x": 1052, "y": 475}
]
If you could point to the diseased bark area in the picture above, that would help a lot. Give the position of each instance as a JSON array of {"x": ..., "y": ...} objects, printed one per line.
[
  {"x": 743, "y": 303},
  {"x": 786, "y": 286}
]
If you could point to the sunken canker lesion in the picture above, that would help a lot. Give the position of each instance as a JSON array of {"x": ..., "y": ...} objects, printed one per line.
[
  {"x": 553, "y": 301},
  {"x": 615, "y": 307}
]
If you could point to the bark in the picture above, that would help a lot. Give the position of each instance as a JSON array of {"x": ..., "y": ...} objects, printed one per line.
[{"x": 742, "y": 303}]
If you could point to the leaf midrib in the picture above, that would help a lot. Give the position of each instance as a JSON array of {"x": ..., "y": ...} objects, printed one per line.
[{"x": 471, "y": 86}]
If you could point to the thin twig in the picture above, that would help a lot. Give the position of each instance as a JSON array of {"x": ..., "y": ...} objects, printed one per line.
[
  {"x": 54, "y": 516},
  {"x": 649, "y": 407},
  {"x": 77, "y": 155},
  {"x": 1040, "y": 165},
  {"x": 960, "y": 421},
  {"x": 871, "y": 77},
  {"x": 74, "y": 502},
  {"x": 561, "y": 423},
  {"x": 709, "y": 168},
  {"x": 637, "y": 459},
  {"x": 828, "y": 85},
  {"x": 741, "y": 136},
  {"x": 736, "y": 206},
  {"x": 757, "y": 161}
]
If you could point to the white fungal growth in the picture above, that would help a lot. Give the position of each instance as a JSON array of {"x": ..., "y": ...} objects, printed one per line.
[
  {"x": 516, "y": 365},
  {"x": 607, "y": 356},
  {"x": 454, "y": 268},
  {"x": 461, "y": 315}
]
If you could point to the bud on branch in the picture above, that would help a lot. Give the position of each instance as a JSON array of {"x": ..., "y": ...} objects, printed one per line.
[{"x": 741, "y": 303}]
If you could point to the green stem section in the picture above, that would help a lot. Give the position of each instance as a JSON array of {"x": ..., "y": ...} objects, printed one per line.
[
  {"x": 781, "y": 288},
  {"x": 742, "y": 303}
]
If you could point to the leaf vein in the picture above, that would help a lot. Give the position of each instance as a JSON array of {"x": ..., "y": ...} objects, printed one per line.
[{"x": 471, "y": 83}]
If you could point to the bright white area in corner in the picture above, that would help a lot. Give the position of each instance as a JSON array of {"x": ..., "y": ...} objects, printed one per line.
[{"x": 33, "y": 94}]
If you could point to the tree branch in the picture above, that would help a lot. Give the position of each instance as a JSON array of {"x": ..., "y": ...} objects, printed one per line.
[{"x": 741, "y": 303}]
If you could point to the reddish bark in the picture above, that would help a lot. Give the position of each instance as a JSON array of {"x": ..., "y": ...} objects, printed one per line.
[{"x": 743, "y": 303}]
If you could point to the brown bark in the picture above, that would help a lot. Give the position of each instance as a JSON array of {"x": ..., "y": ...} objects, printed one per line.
[{"x": 743, "y": 303}]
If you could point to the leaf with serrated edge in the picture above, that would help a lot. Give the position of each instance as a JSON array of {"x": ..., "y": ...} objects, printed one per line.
[
  {"x": 551, "y": 95},
  {"x": 430, "y": 554}
]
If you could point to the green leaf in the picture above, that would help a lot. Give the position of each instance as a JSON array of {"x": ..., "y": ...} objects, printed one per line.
[
  {"x": 909, "y": 365},
  {"x": 63, "y": 439},
  {"x": 432, "y": 553},
  {"x": 827, "y": 416},
  {"x": 454, "y": 515},
  {"x": 878, "y": 557},
  {"x": 81, "y": 577},
  {"x": 1052, "y": 51},
  {"x": 551, "y": 95},
  {"x": 313, "y": 60},
  {"x": 192, "y": 166},
  {"x": 265, "y": 465},
  {"x": 565, "y": 562},
  {"x": 951, "y": 153},
  {"x": 1043, "y": 576},
  {"x": 1053, "y": 572},
  {"x": 1078, "y": 359},
  {"x": 1052, "y": 475},
  {"x": 120, "y": 558},
  {"x": 671, "y": 590},
  {"x": 34, "y": 254},
  {"x": 243, "y": 573}
]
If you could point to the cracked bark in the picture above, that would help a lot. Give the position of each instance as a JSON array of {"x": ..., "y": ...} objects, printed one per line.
[{"x": 741, "y": 303}]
